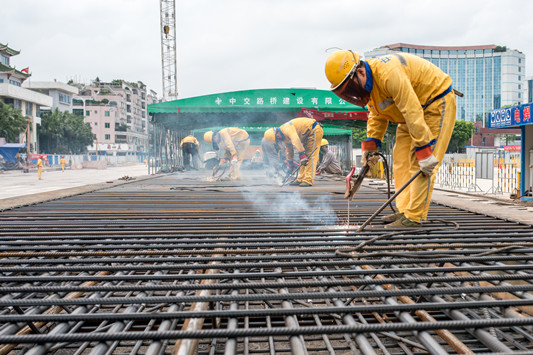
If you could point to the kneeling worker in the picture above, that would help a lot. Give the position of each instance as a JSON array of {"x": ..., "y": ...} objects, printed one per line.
[
  {"x": 415, "y": 94},
  {"x": 329, "y": 163},
  {"x": 304, "y": 134},
  {"x": 234, "y": 141}
]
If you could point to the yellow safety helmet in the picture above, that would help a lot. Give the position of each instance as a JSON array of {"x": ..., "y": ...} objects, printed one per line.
[
  {"x": 324, "y": 142},
  {"x": 270, "y": 135},
  {"x": 340, "y": 65},
  {"x": 208, "y": 136}
]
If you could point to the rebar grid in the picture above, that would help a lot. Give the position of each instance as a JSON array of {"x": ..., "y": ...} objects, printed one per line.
[{"x": 252, "y": 268}]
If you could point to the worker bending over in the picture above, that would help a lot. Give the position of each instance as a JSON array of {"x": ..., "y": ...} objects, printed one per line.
[
  {"x": 329, "y": 163},
  {"x": 234, "y": 142},
  {"x": 303, "y": 134},
  {"x": 190, "y": 147},
  {"x": 415, "y": 94}
]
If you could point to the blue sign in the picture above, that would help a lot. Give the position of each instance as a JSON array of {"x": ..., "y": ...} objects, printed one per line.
[{"x": 511, "y": 116}]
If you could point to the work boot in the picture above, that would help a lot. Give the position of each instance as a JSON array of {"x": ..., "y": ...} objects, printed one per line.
[
  {"x": 391, "y": 217},
  {"x": 295, "y": 183},
  {"x": 404, "y": 222},
  {"x": 305, "y": 184}
]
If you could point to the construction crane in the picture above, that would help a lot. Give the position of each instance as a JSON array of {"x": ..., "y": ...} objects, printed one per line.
[{"x": 168, "y": 49}]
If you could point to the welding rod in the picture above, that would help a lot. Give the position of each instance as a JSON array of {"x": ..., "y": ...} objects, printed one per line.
[{"x": 389, "y": 201}]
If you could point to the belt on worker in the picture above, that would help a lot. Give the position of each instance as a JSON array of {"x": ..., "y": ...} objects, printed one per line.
[
  {"x": 243, "y": 140},
  {"x": 440, "y": 96}
]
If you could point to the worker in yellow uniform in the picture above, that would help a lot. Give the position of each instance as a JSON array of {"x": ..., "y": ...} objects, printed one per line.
[
  {"x": 234, "y": 142},
  {"x": 62, "y": 161},
  {"x": 303, "y": 134},
  {"x": 190, "y": 148},
  {"x": 39, "y": 166},
  {"x": 415, "y": 94}
]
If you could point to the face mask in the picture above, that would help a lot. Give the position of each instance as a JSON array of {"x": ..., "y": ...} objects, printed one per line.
[{"x": 353, "y": 92}]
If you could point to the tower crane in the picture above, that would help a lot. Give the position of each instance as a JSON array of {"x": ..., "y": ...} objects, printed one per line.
[{"x": 168, "y": 49}]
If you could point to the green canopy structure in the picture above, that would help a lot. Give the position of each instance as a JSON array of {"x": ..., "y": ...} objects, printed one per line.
[{"x": 242, "y": 108}]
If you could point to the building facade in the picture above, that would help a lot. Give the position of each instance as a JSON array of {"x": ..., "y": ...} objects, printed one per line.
[
  {"x": 60, "y": 93},
  {"x": 12, "y": 92},
  {"x": 490, "y": 76},
  {"x": 118, "y": 114}
]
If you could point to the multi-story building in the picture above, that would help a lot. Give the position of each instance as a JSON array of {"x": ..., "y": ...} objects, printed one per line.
[
  {"x": 61, "y": 93},
  {"x": 118, "y": 114},
  {"x": 29, "y": 102},
  {"x": 490, "y": 76}
]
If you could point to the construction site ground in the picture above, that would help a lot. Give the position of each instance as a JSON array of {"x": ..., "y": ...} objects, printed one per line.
[{"x": 116, "y": 261}]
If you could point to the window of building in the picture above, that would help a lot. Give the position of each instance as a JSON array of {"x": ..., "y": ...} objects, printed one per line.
[
  {"x": 95, "y": 123},
  {"x": 106, "y": 114},
  {"x": 107, "y": 125},
  {"x": 87, "y": 113},
  {"x": 1, "y": 81},
  {"x": 29, "y": 108},
  {"x": 13, "y": 82},
  {"x": 64, "y": 98},
  {"x": 483, "y": 141},
  {"x": 78, "y": 111},
  {"x": 107, "y": 136}
]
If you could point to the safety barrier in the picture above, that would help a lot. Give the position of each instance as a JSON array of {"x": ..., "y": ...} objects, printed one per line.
[
  {"x": 497, "y": 173},
  {"x": 457, "y": 175}
]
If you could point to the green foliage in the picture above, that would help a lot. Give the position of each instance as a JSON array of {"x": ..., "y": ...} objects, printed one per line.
[
  {"x": 64, "y": 133},
  {"x": 462, "y": 132},
  {"x": 359, "y": 135},
  {"x": 12, "y": 123}
]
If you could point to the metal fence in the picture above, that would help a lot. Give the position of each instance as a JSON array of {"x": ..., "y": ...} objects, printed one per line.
[{"x": 495, "y": 173}]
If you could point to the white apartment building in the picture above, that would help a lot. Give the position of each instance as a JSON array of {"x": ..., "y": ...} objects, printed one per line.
[
  {"x": 490, "y": 76},
  {"x": 29, "y": 102},
  {"x": 60, "y": 93}
]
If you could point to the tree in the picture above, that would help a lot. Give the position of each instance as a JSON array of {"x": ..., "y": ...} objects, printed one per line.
[
  {"x": 64, "y": 133},
  {"x": 462, "y": 132},
  {"x": 12, "y": 122}
]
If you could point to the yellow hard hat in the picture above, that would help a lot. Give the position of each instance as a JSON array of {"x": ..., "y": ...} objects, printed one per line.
[
  {"x": 270, "y": 135},
  {"x": 208, "y": 136},
  {"x": 340, "y": 65},
  {"x": 324, "y": 142}
]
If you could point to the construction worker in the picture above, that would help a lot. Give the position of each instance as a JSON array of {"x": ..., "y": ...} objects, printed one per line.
[
  {"x": 190, "y": 148},
  {"x": 303, "y": 134},
  {"x": 415, "y": 94},
  {"x": 329, "y": 163},
  {"x": 62, "y": 161},
  {"x": 39, "y": 166},
  {"x": 234, "y": 142}
]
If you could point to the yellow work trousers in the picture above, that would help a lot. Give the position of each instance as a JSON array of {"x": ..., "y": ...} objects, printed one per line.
[
  {"x": 39, "y": 172},
  {"x": 235, "y": 169},
  {"x": 414, "y": 200},
  {"x": 63, "y": 167},
  {"x": 314, "y": 138}
]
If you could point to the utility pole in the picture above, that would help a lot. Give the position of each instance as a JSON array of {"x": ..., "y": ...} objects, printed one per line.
[{"x": 168, "y": 49}]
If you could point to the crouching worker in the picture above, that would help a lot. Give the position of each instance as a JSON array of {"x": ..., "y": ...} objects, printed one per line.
[
  {"x": 303, "y": 134},
  {"x": 329, "y": 163},
  {"x": 234, "y": 142}
]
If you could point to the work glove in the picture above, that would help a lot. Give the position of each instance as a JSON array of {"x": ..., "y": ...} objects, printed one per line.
[
  {"x": 234, "y": 160},
  {"x": 368, "y": 147},
  {"x": 303, "y": 159},
  {"x": 222, "y": 162},
  {"x": 426, "y": 160}
]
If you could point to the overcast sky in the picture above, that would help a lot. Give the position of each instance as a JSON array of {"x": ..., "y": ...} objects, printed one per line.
[{"x": 229, "y": 45}]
